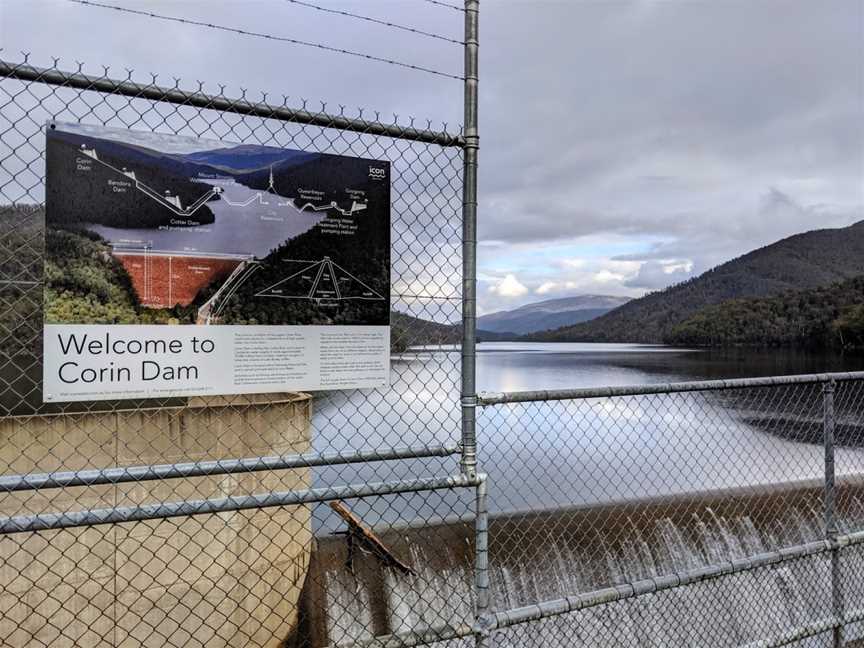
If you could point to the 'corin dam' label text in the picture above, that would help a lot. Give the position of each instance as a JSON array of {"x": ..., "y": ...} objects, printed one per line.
[{"x": 71, "y": 372}]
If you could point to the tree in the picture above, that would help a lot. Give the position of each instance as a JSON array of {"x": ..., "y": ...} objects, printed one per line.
[{"x": 849, "y": 327}]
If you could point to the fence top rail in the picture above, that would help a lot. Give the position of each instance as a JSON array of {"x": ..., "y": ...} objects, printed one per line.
[
  {"x": 500, "y": 398},
  {"x": 240, "y": 106}
]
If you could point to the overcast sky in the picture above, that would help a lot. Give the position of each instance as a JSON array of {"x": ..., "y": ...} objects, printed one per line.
[{"x": 624, "y": 145}]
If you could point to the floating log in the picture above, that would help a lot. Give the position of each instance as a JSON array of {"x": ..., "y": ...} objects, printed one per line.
[{"x": 365, "y": 538}]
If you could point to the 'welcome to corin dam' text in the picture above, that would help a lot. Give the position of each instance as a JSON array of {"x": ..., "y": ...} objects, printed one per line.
[{"x": 149, "y": 369}]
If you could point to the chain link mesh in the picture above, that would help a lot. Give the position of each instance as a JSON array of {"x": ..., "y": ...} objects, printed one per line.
[
  {"x": 240, "y": 578},
  {"x": 633, "y": 496},
  {"x": 732, "y": 611},
  {"x": 629, "y": 490}
]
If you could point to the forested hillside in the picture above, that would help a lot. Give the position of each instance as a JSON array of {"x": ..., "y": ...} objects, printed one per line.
[
  {"x": 407, "y": 331},
  {"x": 808, "y": 260},
  {"x": 832, "y": 316},
  {"x": 86, "y": 284},
  {"x": 21, "y": 244}
]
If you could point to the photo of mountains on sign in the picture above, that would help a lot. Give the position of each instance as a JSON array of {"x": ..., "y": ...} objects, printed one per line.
[{"x": 146, "y": 228}]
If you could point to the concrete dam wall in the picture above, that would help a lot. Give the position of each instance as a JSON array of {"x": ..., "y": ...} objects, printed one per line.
[
  {"x": 216, "y": 580},
  {"x": 163, "y": 280}
]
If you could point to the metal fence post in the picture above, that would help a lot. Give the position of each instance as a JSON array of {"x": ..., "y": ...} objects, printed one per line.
[
  {"x": 830, "y": 512},
  {"x": 469, "y": 244},
  {"x": 481, "y": 563}
]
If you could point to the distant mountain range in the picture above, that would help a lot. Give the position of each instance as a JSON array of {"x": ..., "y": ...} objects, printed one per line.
[
  {"x": 809, "y": 260},
  {"x": 407, "y": 331},
  {"x": 247, "y": 157},
  {"x": 549, "y": 314}
]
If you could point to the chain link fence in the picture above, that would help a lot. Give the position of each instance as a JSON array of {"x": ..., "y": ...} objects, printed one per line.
[
  {"x": 724, "y": 513},
  {"x": 206, "y": 521},
  {"x": 693, "y": 514}
]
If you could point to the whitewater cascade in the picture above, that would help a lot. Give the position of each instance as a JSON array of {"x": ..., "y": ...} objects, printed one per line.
[{"x": 730, "y": 611}]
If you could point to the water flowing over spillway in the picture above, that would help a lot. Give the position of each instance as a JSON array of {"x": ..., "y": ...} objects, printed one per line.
[{"x": 540, "y": 557}]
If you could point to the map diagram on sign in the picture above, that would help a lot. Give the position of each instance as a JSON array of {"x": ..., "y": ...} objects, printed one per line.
[
  {"x": 320, "y": 280},
  {"x": 188, "y": 230}
]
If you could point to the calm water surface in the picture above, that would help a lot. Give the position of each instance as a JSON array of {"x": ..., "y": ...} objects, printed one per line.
[
  {"x": 514, "y": 366},
  {"x": 553, "y": 455},
  {"x": 256, "y": 224},
  {"x": 548, "y": 455}
]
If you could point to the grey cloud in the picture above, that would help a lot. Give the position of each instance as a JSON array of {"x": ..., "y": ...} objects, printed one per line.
[
  {"x": 776, "y": 216},
  {"x": 653, "y": 275},
  {"x": 673, "y": 121},
  {"x": 693, "y": 130}
]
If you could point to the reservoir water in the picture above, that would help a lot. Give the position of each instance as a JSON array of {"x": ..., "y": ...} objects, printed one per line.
[
  {"x": 590, "y": 451},
  {"x": 254, "y": 224},
  {"x": 561, "y": 477}
]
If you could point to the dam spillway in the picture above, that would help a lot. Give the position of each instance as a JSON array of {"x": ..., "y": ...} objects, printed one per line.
[
  {"x": 165, "y": 280},
  {"x": 550, "y": 554}
]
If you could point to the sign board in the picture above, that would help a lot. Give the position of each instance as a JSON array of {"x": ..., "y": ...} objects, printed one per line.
[{"x": 177, "y": 266}]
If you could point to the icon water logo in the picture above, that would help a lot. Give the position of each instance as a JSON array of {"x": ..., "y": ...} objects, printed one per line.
[{"x": 377, "y": 173}]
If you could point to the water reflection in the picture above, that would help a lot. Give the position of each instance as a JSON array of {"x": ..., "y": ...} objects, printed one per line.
[{"x": 557, "y": 454}]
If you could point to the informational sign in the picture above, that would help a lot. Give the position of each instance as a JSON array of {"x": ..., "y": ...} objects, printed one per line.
[{"x": 177, "y": 266}]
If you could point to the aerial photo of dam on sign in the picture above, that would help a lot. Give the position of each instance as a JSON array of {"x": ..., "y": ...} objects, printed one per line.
[{"x": 156, "y": 228}]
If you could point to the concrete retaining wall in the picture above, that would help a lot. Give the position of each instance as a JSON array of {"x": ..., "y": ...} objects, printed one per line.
[{"x": 230, "y": 579}]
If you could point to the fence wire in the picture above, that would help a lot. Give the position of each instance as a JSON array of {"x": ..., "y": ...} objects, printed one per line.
[
  {"x": 258, "y": 576},
  {"x": 652, "y": 517},
  {"x": 679, "y": 518}
]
